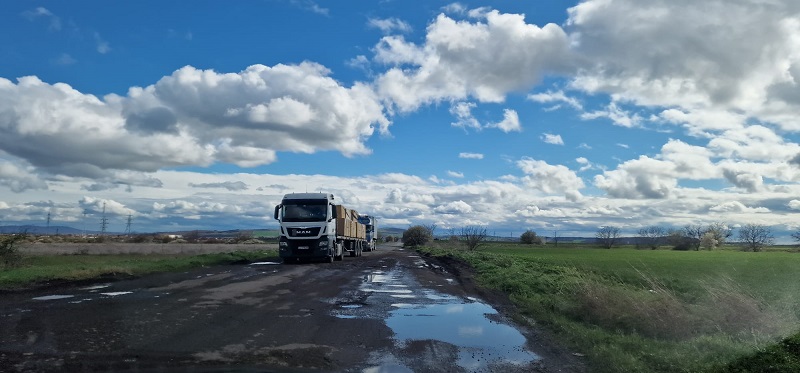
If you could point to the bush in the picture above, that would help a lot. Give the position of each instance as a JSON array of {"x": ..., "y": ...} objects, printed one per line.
[
  {"x": 416, "y": 236},
  {"x": 9, "y": 249},
  {"x": 530, "y": 238}
]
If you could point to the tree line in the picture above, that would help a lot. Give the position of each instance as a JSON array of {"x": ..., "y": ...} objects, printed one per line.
[{"x": 751, "y": 237}]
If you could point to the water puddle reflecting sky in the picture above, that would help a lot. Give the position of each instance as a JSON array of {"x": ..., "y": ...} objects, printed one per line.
[{"x": 463, "y": 324}]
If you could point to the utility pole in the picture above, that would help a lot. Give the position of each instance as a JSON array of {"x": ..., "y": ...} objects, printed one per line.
[
  {"x": 128, "y": 226},
  {"x": 85, "y": 211},
  {"x": 103, "y": 221}
]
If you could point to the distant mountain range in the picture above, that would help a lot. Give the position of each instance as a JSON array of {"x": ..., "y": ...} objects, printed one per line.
[{"x": 35, "y": 229}]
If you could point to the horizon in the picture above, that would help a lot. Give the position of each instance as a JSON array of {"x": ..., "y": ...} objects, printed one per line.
[{"x": 513, "y": 116}]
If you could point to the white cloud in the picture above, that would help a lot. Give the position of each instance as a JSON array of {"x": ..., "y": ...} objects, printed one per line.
[
  {"x": 64, "y": 59},
  {"x": 624, "y": 146},
  {"x": 510, "y": 122},
  {"x": 459, "y": 60},
  {"x": 551, "y": 97},
  {"x": 552, "y": 139},
  {"x": 737, "y": 207},
  {"x": 463, "y": 113},
  {"x": 102, "y": 45},
  {"x": 389, "y": 25},
  {"x": 454, "y": 208},
  {"x": 19, "y": 180},
  {"x": 550, "y": 179},
  {"x": 455, "y": 174},
  {"x": 794, "y": 204},
  {"x": 228, "y": 185},
  {"x": 645, "y": 177},
  {"x": 680, "y": 57},
  {"x": 42, "y": 12},
  {"x": 617, "y": 115},
  {"x": 192, "y": 117},
  {"x": 470, "y": 155}
]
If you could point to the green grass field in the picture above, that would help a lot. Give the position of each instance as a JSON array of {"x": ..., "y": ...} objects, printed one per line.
[
  {"x": 648, "y": 311},
  {"x": 41, "y": 268}
]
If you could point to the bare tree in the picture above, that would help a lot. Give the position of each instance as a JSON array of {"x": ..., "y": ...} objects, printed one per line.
[
  {"x": 651, "y": 237},
  {"x": 695, "y": 233},
  {"x": 607, "y": 236},
  {"x": 431, "y": 229},
  {"x": 796, "y": 236},
  {"x": 755, "y": 236},
  {"x": 473, "y": 236}
]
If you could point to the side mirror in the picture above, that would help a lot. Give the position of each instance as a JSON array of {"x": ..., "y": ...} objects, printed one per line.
[
  {"x": 277, "y": 210},
  {"x": 333, "y": 212}
]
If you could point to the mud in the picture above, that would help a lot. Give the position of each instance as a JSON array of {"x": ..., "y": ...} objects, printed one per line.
[{"x": 387, "y": 311}]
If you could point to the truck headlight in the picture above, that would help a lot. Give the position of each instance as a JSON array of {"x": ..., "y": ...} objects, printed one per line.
[
  {"x": 323, "y": 243},
  {"x": 283, "y": 244}
]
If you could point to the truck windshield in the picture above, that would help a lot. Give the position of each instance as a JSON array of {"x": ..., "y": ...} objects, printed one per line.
[{"x": 305, "y": 210}]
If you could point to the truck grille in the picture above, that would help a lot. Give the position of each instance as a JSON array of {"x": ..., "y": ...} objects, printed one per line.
[{"x": 304, "y": 232}]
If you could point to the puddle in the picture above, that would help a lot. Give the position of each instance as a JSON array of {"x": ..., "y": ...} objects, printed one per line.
[
  {"x": 481, "y": 341},
  {"x": 402, "y": 305},
  {"x": 54, "y": 297},
  {"x": 388, "y": 368},
  {"x": 96, "y": 287},
  {"x": 408, "y": 296},
  {"x": 263, "y": 263},
  {"x": 116, "y": 293},
  {"x": 345, "y": 316},
  {"x": 397, "y": 291},
  {"x": 351, "y": 306}
]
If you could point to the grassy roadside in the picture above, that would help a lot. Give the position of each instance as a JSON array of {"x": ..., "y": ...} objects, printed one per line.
[
  {"x": 42, "y": 268},
  {"x": 648, "y": 311}
]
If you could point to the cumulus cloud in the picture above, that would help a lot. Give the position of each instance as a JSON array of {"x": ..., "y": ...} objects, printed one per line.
[
  {"x": 645, "y": 177},
  {"x": 550, "y": 179},
  {"x": 192, "y": 117},
  {"x": 737, "y": 207},
  {"x": 455, "y": 174},
  {"x": 228, "y": 185},
  {"x": 470, "y": 155},
  {"x": 93, "y": 205},
  {"x": 510, "y": 122},
  {"x": 457, "y": 207},
  {"x": 18, "y": 179},
  {"x": 483, "y": 60},
  {"x": 463, "y": 113},
  {"x": 552, "y": 139},
  {"x": 794, "y": 204},
  {"x": 680, "y": 56}
]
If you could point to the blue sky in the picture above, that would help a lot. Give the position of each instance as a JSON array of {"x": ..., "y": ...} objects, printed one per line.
[{"x": 514, "y": 115}]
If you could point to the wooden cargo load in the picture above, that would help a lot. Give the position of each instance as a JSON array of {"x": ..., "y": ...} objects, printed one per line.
[{"x": 347, "y": 224}]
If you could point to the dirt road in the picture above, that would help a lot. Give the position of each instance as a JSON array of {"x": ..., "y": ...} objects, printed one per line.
[{"x": 388, "y": 311}]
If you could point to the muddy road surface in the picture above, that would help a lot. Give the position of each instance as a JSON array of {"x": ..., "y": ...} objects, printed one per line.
[{"x": 388, "y": 311}]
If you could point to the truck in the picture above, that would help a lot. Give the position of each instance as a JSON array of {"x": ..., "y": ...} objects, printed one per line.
[
  {"x": 314, "y": 227},
  {"x": 370, "y": 222}
]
